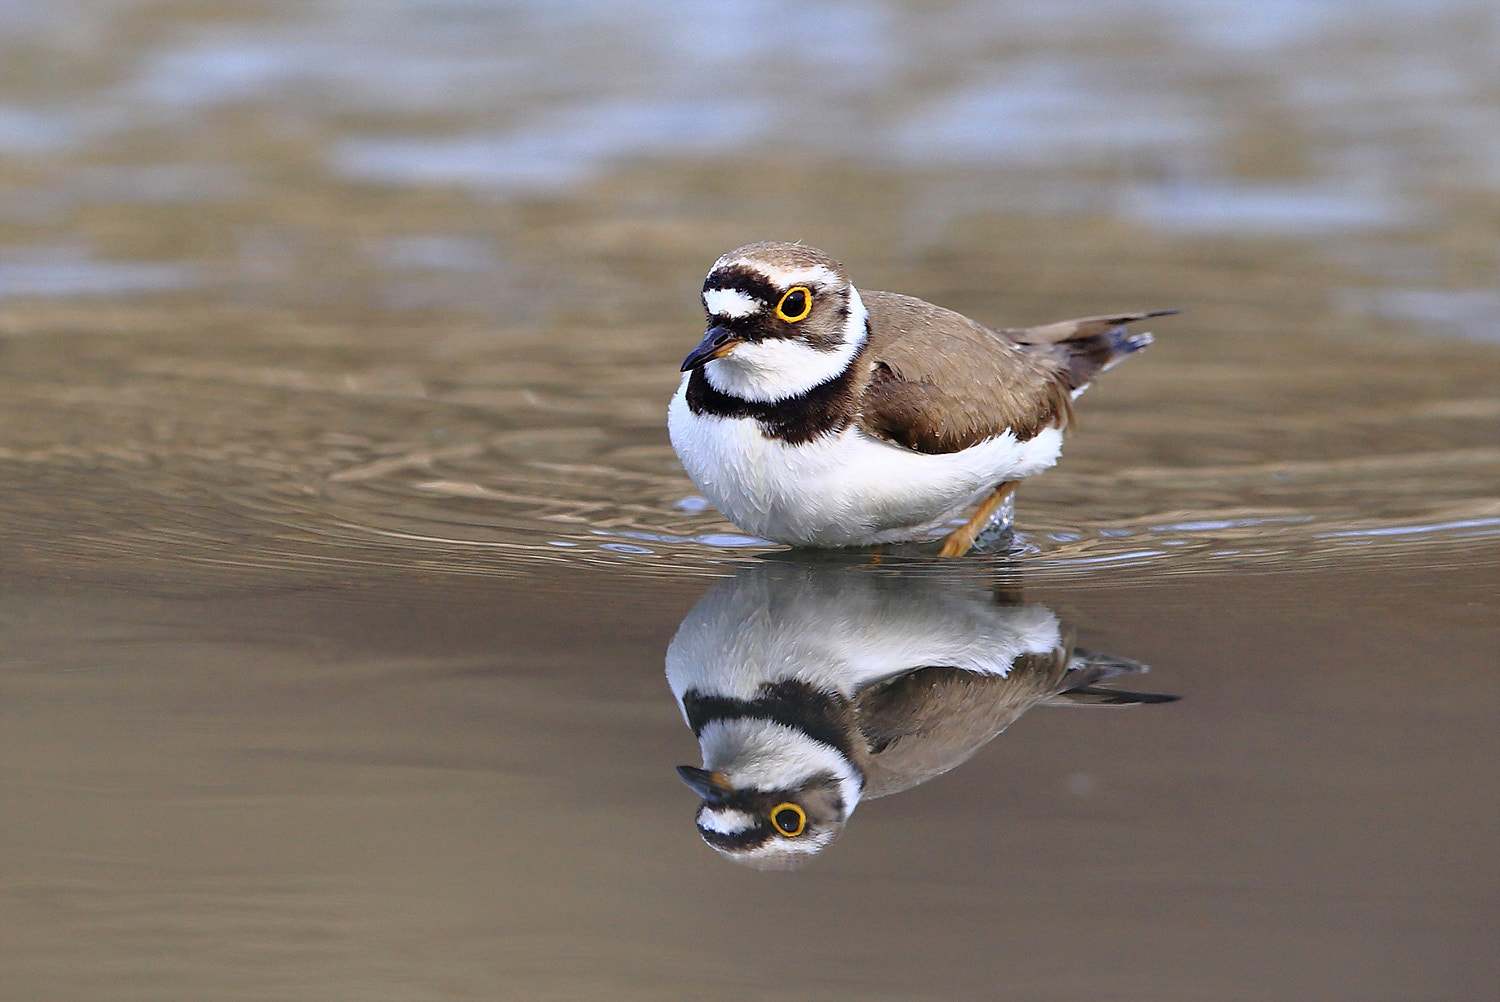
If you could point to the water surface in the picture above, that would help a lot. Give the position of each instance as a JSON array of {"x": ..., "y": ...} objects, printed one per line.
[{"x": 342, "y": 545}]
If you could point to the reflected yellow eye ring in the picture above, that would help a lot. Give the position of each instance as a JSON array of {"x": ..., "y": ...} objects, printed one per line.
[
  {"x": 789, "y": 819},
  {"x": 795, "y": 305}
]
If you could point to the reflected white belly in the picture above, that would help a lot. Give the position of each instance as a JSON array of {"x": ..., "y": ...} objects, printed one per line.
[{"x": 846, "y": 489}]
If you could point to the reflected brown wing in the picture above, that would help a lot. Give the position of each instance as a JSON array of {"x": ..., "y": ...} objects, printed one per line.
[{"x": 922, "y": 723}]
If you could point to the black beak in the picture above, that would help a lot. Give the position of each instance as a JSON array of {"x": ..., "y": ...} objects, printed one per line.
[
  {"x": 716, "y": 343},
  {"x": 710, "y": 786}
]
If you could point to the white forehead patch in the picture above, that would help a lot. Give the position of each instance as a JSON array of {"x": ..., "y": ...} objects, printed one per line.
[
  {"x": 732, "y": 303},
  {"x": 724, "y": 820}
]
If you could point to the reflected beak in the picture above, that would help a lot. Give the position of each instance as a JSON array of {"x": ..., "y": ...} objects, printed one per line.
[
  {"x": 717, "y": 343},
  {"x": 708, "y": 785}
]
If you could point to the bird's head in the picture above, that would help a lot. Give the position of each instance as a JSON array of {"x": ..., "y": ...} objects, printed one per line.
[
  {"x": 769, "y": 829},
  {"x": 782, "y": 319}
]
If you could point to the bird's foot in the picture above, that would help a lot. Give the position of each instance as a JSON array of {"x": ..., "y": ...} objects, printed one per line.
[{"x": 961, "y": 540}]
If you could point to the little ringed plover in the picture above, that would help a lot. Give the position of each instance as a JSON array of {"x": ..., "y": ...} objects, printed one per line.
[{"x": 817, "y": 414}]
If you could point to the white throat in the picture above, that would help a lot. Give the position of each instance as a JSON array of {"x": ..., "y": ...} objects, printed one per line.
[
  {"x": 780, "y": 368},
  {"x": 763, "y": 755}
]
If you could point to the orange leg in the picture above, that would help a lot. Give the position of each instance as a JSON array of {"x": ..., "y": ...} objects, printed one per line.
[{"x": 961, "y": 540}]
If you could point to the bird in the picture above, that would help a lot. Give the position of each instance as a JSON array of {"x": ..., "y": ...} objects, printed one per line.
[
  {"x": 812, "y": 687},
  {"x": 817, "y": 414}
]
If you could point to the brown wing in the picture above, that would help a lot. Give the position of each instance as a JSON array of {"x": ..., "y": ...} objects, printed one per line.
[
  {"x": 922, "y": 723},
  {"x": 939, "y": 382}
]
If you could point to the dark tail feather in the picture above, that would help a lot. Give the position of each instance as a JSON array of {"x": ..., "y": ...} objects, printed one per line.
[
  {"x": 1123, "y": 342},
  {"x": 1103, "y": 695},
  {"x": 1090, "y": 668},
  {"x": 1091, "y": 344}
]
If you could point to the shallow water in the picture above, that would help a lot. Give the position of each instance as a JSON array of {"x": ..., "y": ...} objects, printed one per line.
[{"x": 342, "y": 545}]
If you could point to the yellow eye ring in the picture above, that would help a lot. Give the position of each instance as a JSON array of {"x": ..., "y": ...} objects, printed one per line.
[
  {"x": 789, "y": 819},
  {"x": 795, "y": 305}
]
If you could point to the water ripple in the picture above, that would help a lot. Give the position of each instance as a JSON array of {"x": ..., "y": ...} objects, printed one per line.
[{"x": 630, "y": 531}]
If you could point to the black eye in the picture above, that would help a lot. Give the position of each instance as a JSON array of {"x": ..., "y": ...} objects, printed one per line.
[
  {"x": 789, "y": 819},
  {"x": 795, "y": 305}
]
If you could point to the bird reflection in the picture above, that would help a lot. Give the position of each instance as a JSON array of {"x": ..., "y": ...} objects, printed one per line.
[{"x": 811, "y": 687}]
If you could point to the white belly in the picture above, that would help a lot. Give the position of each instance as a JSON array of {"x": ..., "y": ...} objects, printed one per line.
[{"x": 846, "y": 489}]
